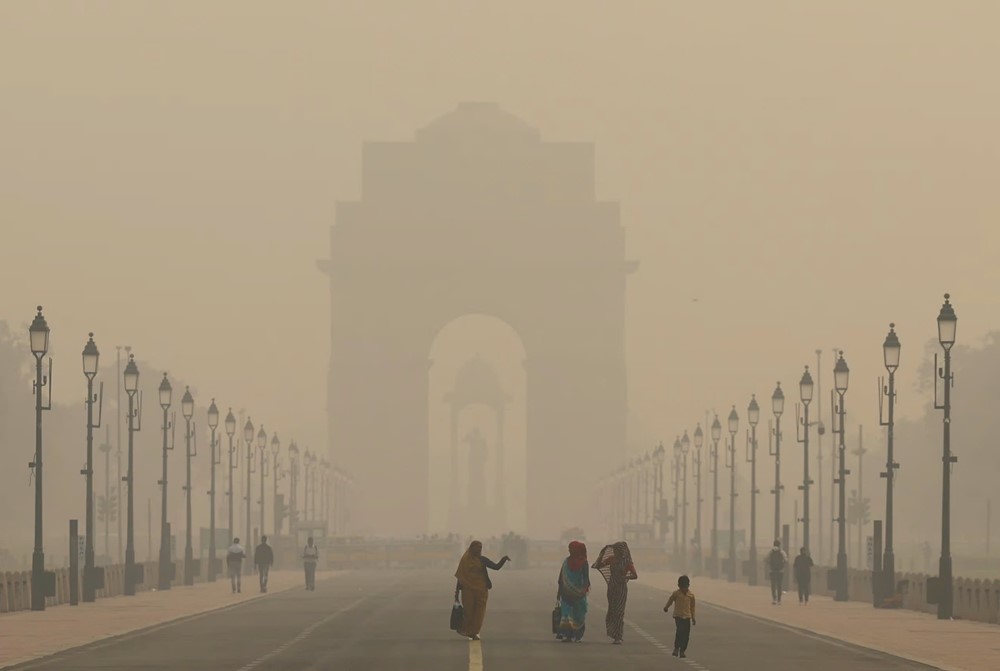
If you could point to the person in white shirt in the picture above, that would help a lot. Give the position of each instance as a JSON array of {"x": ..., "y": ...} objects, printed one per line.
[
  {"x": 310, "y": 557},
  {"x": 234, "y": 560}
]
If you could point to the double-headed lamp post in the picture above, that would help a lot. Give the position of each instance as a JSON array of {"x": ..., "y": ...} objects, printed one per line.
[
  {"x": 685, "y": 448},
  {"x": 134, "y": 413},
  {"x": 248, "y": 433},
  {"x": 187, "y": 409},
  {"x": 293, "y": 481},
  {"x": 262, "y": 446},
  {"x": 777, "y": 407},
  {"x": 699, "y": 439},
  {"x": 753, "y": 417},
  {"x": 890, "y": 354},
  {"x": 806, "y": 396},
  {"x": 947, "y": 323},
  {"x": 230, "y": 432},
  {"x": 734, "y": 426},
  {"x": 714, "y": 466},
  {"x": 215, "y": 452},
  {"x": 841, "y": 374},
  {"x": 38, "y": 336},
  {"x": 166, "y": 568},
  {"x": 91, "y": 359},
  {"x": 275, "y": 476}
]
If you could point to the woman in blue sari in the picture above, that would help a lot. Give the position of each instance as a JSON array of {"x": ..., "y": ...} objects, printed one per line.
[{"x": 574, "y": 584}]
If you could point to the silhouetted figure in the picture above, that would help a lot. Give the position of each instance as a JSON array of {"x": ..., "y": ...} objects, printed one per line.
[
  {"x": 802, "y": 566},
  {"x": 310, "y": 558},
  {"x": 263, "y": 559},
  {"x": 234, "y": 562},
  {"x": 474, "y": 585},
  {"x": 777, "y": 560}
]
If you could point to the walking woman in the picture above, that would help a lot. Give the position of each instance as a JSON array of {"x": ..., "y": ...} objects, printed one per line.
[
  {"x": 475, "y": 585},
  {"x": 574, "y": 584},
  {"x": 615, "y": 564}
]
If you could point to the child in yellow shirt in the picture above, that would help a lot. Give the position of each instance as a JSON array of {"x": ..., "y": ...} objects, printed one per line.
[{"x": 683, "y": 602}]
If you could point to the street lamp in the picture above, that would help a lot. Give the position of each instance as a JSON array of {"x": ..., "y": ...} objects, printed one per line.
[
  {"x": 890, "y": 354},
  {"x": 841, "y": 374},
  {"x": 134, "y": 414},
  {"x": 275, "y": 476},
  {"x": 753, "y": 417},
  {"x": 230, "y": 432},
  {"x": 262, "y": 446},
  {"x": 213, "y": 424},
  {"x": 947, "y": 322},
  {"x": 699, "y": 439},
  {"x": 714, "y": 467},
  {"x": 42, "y": 581},
  {"x": 187, "y": 409},
  {"x": 166, "y": 568},
  {"x": 293, "y": 477},
  {"x": 806, "y": 396},
  {"x": 685, "y": 448},
  {"x": 777, "y": 407},
  {"x": 677, "y": 504},
  {"x": 248, "y": 432},
  {"x": 734, "y": 425},
  {"x": 91, "y": 359}
]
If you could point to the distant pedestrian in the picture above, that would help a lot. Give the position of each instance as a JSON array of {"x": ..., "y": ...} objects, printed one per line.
[
  {"x": 263, "y": 559},
  {"x": 777, "y": 560},
  {"x": 683, "y": 602},
  {"x": 802, "y": 566},
  {"x": 234, "y": 562},
  {"x": 474, "y": 584},
  {"x": 310, "y": 557},
  {"x": 615, "y": 564}
]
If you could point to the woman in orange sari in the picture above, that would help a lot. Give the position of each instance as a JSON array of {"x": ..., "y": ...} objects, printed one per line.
[{"x": 474, "y": 585}]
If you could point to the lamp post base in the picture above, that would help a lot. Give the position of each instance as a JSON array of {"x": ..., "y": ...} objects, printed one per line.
[
  {"x": 129, "y": 572},
  {"x": 38, "y": 580},
  {"x": 841, "y": 591}
]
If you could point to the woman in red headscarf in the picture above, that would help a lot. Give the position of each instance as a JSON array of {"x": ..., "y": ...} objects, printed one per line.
[{"x": 574, "y": 584}]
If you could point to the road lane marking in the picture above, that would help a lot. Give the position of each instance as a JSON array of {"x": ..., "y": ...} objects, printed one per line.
[
  {"x": 475, "y": 656},
  {"x": 301, "y": 637}
]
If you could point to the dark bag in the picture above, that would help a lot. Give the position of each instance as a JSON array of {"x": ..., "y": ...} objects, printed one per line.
[
  {"x": 556, "y": 619},
  {"x": 776, "y": 561},
  {"x": 457, "y": 616}
]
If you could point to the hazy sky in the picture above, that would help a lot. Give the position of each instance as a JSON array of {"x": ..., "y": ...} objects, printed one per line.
[{"x": 808, "y": 170}]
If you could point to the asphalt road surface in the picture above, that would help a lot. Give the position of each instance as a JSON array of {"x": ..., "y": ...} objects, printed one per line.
[{"x": 382, "y": 621}]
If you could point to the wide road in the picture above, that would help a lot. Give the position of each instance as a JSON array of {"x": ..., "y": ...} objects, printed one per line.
[{"x": 375, "y": 621}]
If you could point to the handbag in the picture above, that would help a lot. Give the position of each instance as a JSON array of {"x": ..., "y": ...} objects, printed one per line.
[
  {"x": 457, "y": 616},
  {"x": 556, "y": 619}
]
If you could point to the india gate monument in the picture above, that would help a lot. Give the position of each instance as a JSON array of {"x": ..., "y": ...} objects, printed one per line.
[{"x": 478, "y": 215}]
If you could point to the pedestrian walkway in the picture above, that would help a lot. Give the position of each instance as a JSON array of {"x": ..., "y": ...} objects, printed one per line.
[
  {"x": 949, "y": 645},
  {"x": 29, "y": 635}
]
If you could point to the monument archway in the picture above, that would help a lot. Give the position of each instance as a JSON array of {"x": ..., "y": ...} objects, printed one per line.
[{"x": 477, "y": 215}]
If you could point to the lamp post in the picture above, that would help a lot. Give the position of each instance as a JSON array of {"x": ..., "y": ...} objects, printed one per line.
[
  {"x": 685, "y": 448},
  {"x": 187, "y": 409},
  {"x": 840, "y": 379},
  {"x": 233, "y": 465},
  {"x": 947, "y": 323},
  {"x": 215, "y": 452},
  {"x": 714, "y": 467},
  {"x": 293, "y": 481},
  {"x": 890, "y": 354},
  {"x": 262, "y": 446},
  {"x": 134, "y": 413},
  {"x": 677, "y": 497},
  {"x": 699, "y": 439},
  {"x": 307, "y": 460},
  {"x": 734, "y": 425},
  {"x": 777, "y": 407},
  {"x": 91, "y": 358},
  {"x": 806, "y": 396},
  {"x": 275, "y": 476},
  {"x": 38, "y": 335},
  {"x": 166, "y": 572},
  {"x": 753, "y": 417},
  {"x": 248, "y": 433}
]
